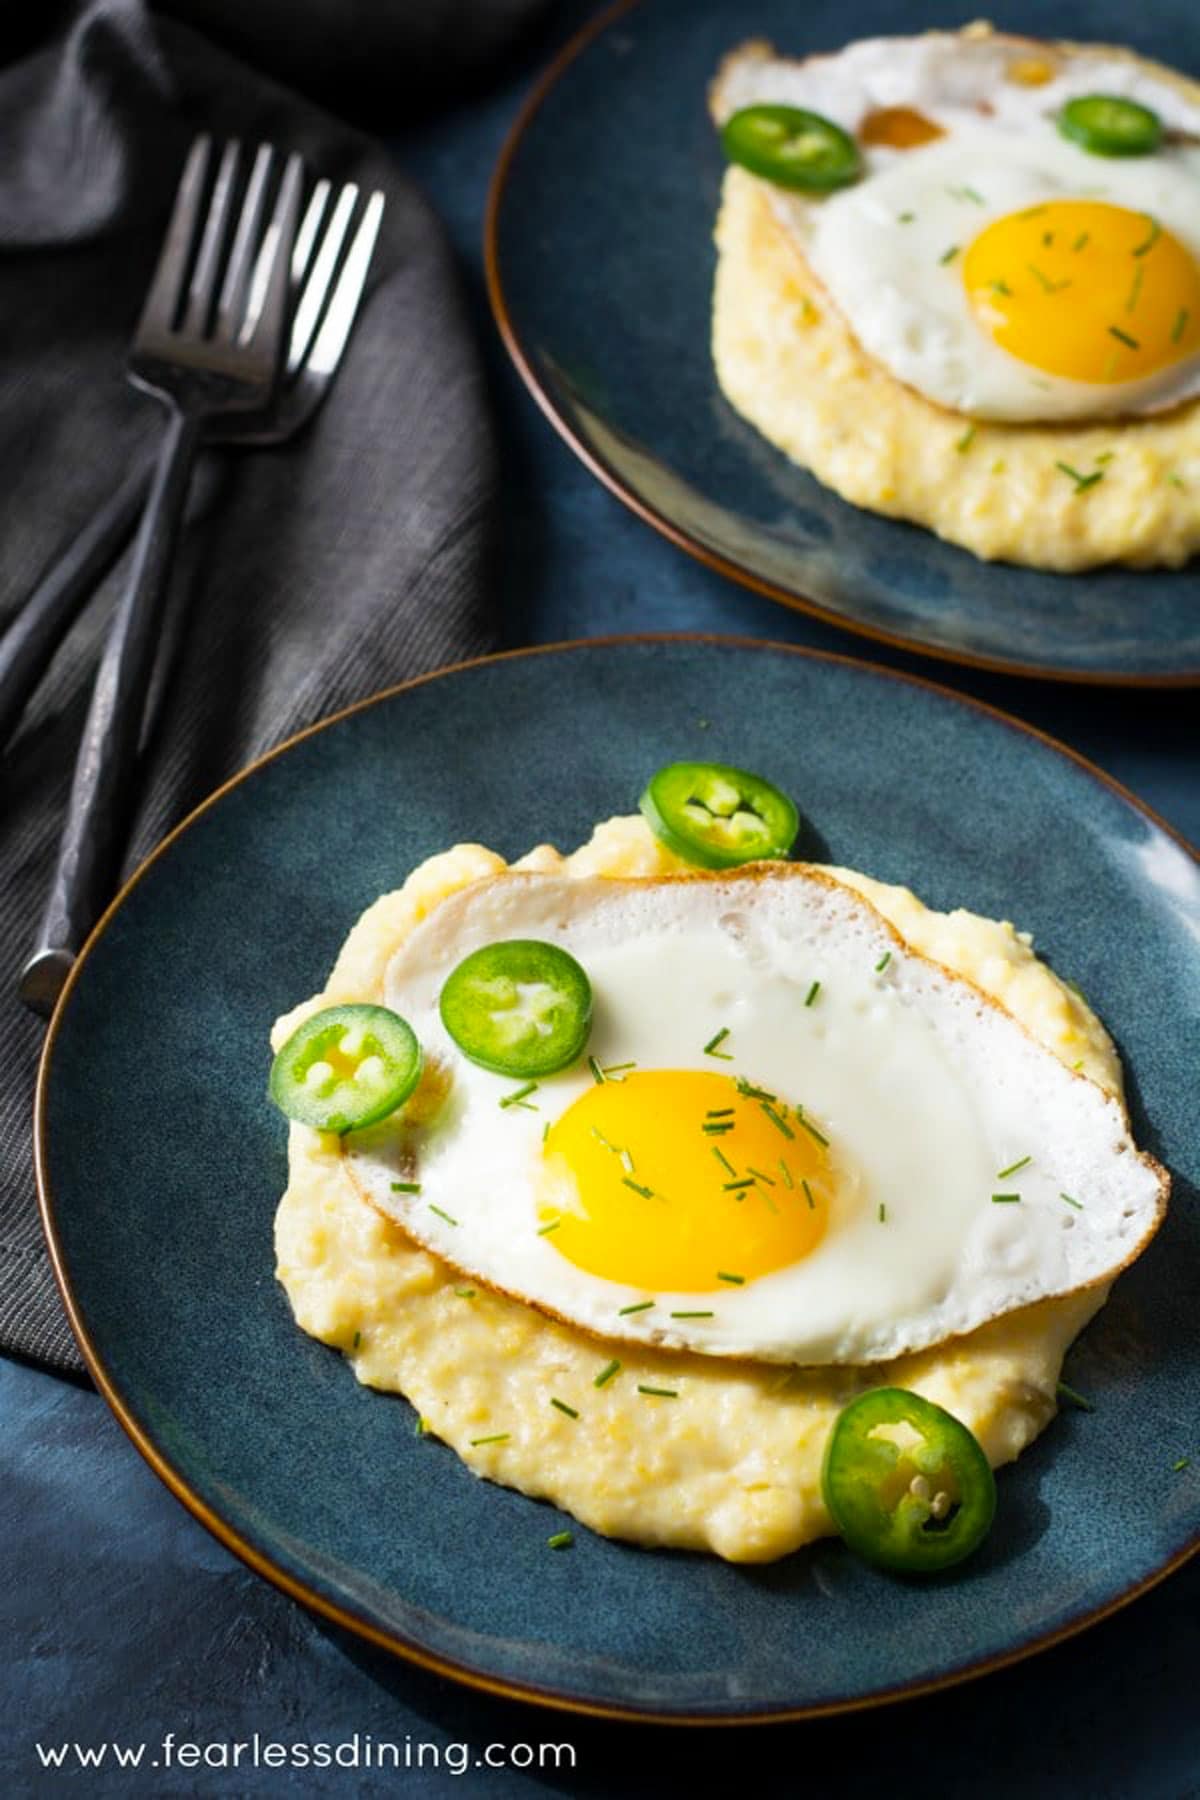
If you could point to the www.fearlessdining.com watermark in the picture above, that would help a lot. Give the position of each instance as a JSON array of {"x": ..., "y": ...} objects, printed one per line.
[{"x": 359, "y": 1751}]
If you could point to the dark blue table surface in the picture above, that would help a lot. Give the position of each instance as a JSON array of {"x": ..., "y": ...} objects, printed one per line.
[{"x": 122, "y": 1620}]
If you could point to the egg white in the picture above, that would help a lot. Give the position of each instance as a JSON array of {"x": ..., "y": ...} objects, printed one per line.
[{"x": 926, "y": 1090}]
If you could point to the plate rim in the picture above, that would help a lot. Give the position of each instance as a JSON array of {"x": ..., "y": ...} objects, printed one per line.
[
  {"x": 522, "y": 360},
  {"x": 555, "y": 1699}
]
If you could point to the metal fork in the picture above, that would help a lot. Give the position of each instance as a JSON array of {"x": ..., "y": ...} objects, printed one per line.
[
  {"x": 327, "y": 300},
  {"x": 221, "y": 356}
]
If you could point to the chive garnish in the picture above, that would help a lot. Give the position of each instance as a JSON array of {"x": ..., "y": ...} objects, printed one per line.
[
  {"x": 611, "y": 1069},
  {"x": 949, "y": 255},
  {"x": 779, "y": 1123},
  {"x": 963, "y": 444},
  {"x": 465, "y": 1293},
  {"x": 562, "y": 1540},
  {"x": 1047, "y": 238},
  {"x": 1180, "y": 325},
  {"x": 759, "y": 1176},
  {"x": 1077, "y": 1399},
  {"x": 1032, "y": 212},
  {"x": 606, "y": 1374},
  {"x": 1175, "y": 478},
  {"x": 1081, "y": 240},
  {"x": 1012, "y": 1168},
  {"x": 810, "y": 1128},
  {"x": 545, "y": 1131},
  {"x": 638, "y": 1188},
  {"x": 357, "y": 1340},
  {"x": 906, "y": 218},
  {"x": 712, "y": 1048},
  {"x": 563, "y": 1407},
  {"x": 720, "y": 1112},
  {"x": 733, "y": 1280},
  {"x": 663, "y": 1393},
  {"x": 1185, "y": 1462},
  {"x": 545, "y": 1230},
  {"x": 1046, "y": 284},
  {"x": 786, "y": 1173},
  {"x": 748, "y": 1090},
  {"x": 1002, "y": 288},
  {"x": 640, "y": 1306},
  {"x": 691, "y": 1315},
  {"x": 406, "y": 1187},
  {"x": 730, "y": 1187},
  {"x": 518, "y": 1094},
  {"x": 421, "y": 1428},
  {"x": 724, "y": 1161},
  {"x": 1071, "y": 1201},
  {"x": 497, "y": 1437},
  {"x": 883, "y": 962},
  {"x": 717, "y": 1129},
  {"x": 1149, "y": 243},
  {"x": 1104, "y": 458},
  {"x": 808, "y": 1194},
  {"x": 813, "y": 991},
  {"x": 882, "y": 1213},
  {"x": 1135, "y": 287},
  {"x": 1004, "y": 1199},
  {"x": 1123, "y": 337},
  {"x": 627, "y": 1162},
  {"x": 966, "y": 193},
  {"x": 441, "y": 1214},
  {"x": 1082, "y": 482},
  {"x": 597, "y": 1071}
]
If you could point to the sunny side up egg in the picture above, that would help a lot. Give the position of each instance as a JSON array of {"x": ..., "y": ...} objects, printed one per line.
[
  {"x": 982, "y": 258},
  {"x": 795, "y": 1139}
]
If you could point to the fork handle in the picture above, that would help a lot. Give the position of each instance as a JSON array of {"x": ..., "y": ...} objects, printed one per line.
[
  {"x": 31, "y": 640},
  {"x": 102, "y": 790}
]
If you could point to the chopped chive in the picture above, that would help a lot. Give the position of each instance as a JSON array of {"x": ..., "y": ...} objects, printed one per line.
[
  {"x": 562, "y": 1540},
  {"x": 759, "y": 1176},
  {"x": 357, "y": 1340},
  {"x": 883, "y": 962},
  {"x": 811, "y": 1128},
  {"x": 786, "y": 1173},
  {"x": 638, "y": 1188},
  {"x": 1071, "y": 1201},
  {"x": 1104, "y": 458},
  {"x": 663, "y": 1393},
  {"x": 882, "y": 1213},
  {"x": 808, "y": 1194},
  {"x": 1064, "y": 1392},
  {"x": 1135, "y": 287},
  {"x": 748, "y": 1091},
  {"x": 1180, "y": 325},
  {"x": 720, "y": 1112},
  {"x": 640, "y": 1306},
  {"x": 1046, "y": 284},
  {"x": 779, "y": 1123},
  {"x": 563, "y": 1407},
  {"x": 1013, "y": 1167},
  {"x": 1032, "y": 212},
  {"x": 730, "y": 1187},
  {"x": 906, "y": 218},
  {"x": 606, "y": 1374},
  {"x": 1047, "y": 238},
  {"x": 627, "y": 1162},
  {"x": 1149, "y": 242},
  {"x": 611, "y": 1069},
  {"x": 963, "y": 444},
  {"x": 1123, "y": 337},
  {"x": 518, "y": 1094},
  {"x": 691, "y": 1315},
  {"x": 770, "y": 1204},
  {"x": 441, "y": 1214},
  {"x": 1081, "y": 240},
  {"x": 1002, "y": 288},
  {"x": 966, "y": 193},
  {"x": 600, "y": 1138},
  {"x": 813, "y": 991},
  {"x": 724, "y": 1161},
  {"x": 1185, "y": 1462},
  {"x": 406, "y": 1187},
  {"x": 1004, "y": 1199},
  {"x": 1175, "y": 478},
  {"x": 717, "y": 1129},
  {"x": 545, "y": 1131},
  {"x": 545, "y": 1230},
  {"x": 949, "y": 255},
  {"x": 1082, "y": 482},
  {"x": 733, "y": 1280},
  {"x": 597, "y": 1071},
  {"x": 497, "y": 1437},
  {"x": 465, "y": 1293},
  {"x": 421, "y": 1428},
  {"x": 712, "y": 1048}
]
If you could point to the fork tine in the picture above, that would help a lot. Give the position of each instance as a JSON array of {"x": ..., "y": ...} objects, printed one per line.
[
  {"x": 237, "y": 275},
  {"x": 162, "y": 300},
  {"x": 326, "y": 352},
  {"x": 306, "y": 237},
  {"x": 202, "y": 288},
  {"x": 316, "y": 288},
  {"x": 280, "y": 235}
]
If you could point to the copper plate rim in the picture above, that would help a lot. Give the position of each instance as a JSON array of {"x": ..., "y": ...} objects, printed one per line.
[
  {"x": 676, "y": 534},
  {"x": 297, "y": 1589}
]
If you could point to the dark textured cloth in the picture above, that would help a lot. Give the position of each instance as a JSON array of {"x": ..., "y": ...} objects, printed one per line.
[{"x": 307, "y": 575}]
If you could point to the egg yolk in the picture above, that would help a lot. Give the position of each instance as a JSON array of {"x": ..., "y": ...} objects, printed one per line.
[
  {"x": 683, "y": 1181},
  {"x": 898, "y": 127},
  {"x": 1085, "y": 290}
]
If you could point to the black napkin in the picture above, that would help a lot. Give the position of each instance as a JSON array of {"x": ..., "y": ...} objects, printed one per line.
[{"x": 308, "y": 575}]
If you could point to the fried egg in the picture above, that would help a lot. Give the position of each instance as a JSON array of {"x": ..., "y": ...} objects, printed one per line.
[
  {"x": 985, "y": 261},
  {"x": 795, "y": 1138}
]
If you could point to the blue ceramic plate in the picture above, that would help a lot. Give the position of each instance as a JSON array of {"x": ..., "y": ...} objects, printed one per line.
[
  {"x": 600, "y": 264},
  {"x": 161, "y": 1163}
]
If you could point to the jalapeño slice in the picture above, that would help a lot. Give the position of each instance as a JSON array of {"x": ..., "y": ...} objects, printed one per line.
[
  {"x": 791, "y": 147},
  {"x": 520, "y": 1007},
  {"x": 346, "y": 1067},
  {"x": 908, "y": 1486},
  {"x": 716, "y": 816},
  {"x": 1107, "y": 125}
]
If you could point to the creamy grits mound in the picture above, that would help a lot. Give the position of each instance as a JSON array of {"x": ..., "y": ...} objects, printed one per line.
[
  {"x": 787, "y": 360},
  {"x": 731, "y": 1464}
]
